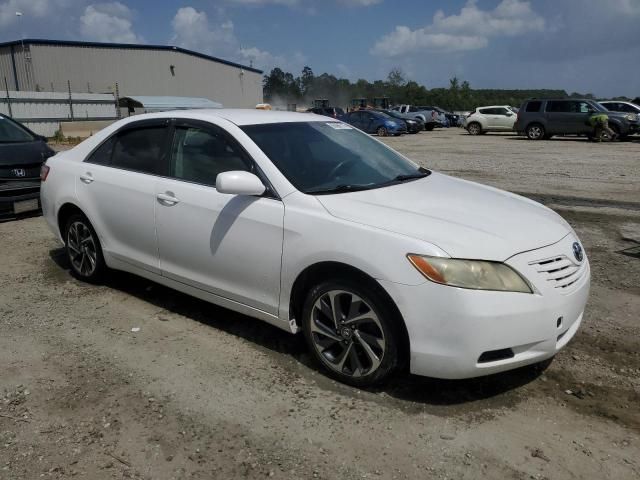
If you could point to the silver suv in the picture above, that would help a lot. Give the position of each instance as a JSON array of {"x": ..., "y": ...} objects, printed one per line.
[{"x": 543, "y": 118}]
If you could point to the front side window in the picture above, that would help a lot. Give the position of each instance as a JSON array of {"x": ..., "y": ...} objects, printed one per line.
[
  {"x": 11, "y": 132},
  {"x": 329, "y": 157},
  {"x": 198, "y": 155},
  {"x": 139, "y": 149}
]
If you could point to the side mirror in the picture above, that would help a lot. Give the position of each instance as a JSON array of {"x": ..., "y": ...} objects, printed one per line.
[
  {"x": 239, "y": 183},
  {"x": 509, "y": 114}
]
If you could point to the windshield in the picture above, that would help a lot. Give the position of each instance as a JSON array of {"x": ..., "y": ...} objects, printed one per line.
[
  {"x": 11, "y": 132},
  {"x": 331, "y": 157}
]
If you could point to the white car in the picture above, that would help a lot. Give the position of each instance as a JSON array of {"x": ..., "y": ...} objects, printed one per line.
[
  {"x": 495, "y": 118},
  {"x": 620, "y": 106},
  {"x": 311, "y": 225}
]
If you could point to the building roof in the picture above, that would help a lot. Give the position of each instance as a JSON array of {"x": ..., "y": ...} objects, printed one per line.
[
  {"x": 167, "y": 103},
  {"x": 132, "y": 46}
]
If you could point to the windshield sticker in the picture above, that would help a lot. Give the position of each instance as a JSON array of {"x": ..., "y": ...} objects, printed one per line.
[{"x": 340, "y": 126}]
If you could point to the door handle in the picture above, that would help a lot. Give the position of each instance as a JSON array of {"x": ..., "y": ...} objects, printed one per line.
[
  {"x": 86, "y": 178},
  {"x": 167, "y": 199}
]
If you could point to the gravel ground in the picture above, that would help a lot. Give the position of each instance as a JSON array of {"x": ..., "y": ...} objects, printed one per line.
[{"x": 202, "y": 392}]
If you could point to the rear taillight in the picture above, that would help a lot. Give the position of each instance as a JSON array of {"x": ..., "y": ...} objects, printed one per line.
[{"x": 44, "y": 172}]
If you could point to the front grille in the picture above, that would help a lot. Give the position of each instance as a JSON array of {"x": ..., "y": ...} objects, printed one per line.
[
  {"x": 560, "y": 271},
  {"x": 19, "y": 172}
]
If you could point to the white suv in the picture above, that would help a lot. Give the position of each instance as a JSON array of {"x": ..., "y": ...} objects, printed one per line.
[{"x": 495, "y": 118}]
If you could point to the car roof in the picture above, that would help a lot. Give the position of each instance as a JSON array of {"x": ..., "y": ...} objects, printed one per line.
[{"x": 238, "y": 116}]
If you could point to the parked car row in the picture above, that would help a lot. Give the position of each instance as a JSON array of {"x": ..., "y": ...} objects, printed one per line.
[{"x": 543, "y": 118}]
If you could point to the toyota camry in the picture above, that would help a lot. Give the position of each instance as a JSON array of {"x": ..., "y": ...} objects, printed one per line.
[{"x": 311, "y": 225}]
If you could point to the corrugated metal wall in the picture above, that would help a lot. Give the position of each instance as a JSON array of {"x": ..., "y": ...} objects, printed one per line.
[
  {"x": 137, "y": 72},
  {"x": 43, "y": 111}
]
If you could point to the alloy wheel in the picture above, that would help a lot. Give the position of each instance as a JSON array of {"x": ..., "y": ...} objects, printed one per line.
[
  {"x": 382, "y": 132},
  {"x": 82, "y": 249},
  {"x": 535, "y": 132},
  {"x": 474, "y": 129},
  {"x": 347, "y": 333}
]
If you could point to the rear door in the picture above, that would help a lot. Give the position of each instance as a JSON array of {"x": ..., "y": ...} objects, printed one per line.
[
  {"x": 228, "y": 245},
  {"x": 116, "y": 187},
  {"x": 558, "y": 116}
]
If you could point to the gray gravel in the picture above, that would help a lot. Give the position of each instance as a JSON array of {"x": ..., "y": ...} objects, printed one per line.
[{"x": 201, "y": 392}]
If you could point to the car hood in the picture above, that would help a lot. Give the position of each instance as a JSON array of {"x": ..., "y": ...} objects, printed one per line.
[
  {"x": 465, "y": 219},
  {"x": 23, "y": 153}
]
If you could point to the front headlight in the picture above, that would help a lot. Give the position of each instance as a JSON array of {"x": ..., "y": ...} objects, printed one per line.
[
  {"x": 632, "y": 117},
  {"x": 473, "y": 274}
]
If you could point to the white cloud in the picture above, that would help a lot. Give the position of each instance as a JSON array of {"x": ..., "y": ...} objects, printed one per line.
[
  {"x": 192, "y": 29},
  {"x": 360, "y": 3},
  {"x": 29, "y": 8},
  {"x": 265, "y": 2},
  {"x": 468, "y": 30},
  {"x": 109, "y": 22}
]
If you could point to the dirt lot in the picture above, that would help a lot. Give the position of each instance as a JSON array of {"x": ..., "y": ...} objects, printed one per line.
[{"x": 201, "y": 392}]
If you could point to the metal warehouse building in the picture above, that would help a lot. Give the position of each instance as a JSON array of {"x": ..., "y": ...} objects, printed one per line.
[{"x": 63, "y": 66}]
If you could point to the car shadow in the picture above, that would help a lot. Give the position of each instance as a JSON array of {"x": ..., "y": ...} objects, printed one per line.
[{"x": 403, "y": 386}]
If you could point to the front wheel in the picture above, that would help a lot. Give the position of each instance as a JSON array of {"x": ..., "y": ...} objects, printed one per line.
[
  {"x": 382, "y": 132},
  {"x": 474, "y": 128},
  {"x": 83, "y": 249},
  {"x": 350, "y": 333},
  {"x": 535, "y": 131}
]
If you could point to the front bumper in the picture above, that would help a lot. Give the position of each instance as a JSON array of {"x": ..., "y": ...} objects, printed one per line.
[
  {"x": 15, "y": 192},
  {"x": 460, "y": 333}
]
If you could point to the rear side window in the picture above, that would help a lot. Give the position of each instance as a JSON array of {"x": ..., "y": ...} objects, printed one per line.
[
  {"x": 559, "y": 107},
  {"x": 533, "y": 107},
  {"x": 485, "y": 111},
  {"x": 102, "y": 155},
  {"x": 140, "y": 150}
]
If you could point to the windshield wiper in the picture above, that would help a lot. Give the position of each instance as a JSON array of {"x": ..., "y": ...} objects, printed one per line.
[
  {"x": 340, "y": 189},
  {"x": 421, "y": 173}
]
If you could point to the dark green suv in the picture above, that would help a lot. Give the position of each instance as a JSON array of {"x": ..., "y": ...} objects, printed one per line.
[{"x": 542, "y": 118}]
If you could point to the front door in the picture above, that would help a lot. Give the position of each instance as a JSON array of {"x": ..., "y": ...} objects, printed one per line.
[{"x": 228, "y": 245}]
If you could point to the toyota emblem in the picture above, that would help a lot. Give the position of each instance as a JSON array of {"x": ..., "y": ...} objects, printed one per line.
[
  {"x": 19, "y": 172},
  {"x": 577, "y": 251}
]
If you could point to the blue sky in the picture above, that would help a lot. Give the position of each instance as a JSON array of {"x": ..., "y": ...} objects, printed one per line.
[{"x": 577, "y": 45}]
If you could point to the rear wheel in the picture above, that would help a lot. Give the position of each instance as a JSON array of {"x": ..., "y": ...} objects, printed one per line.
[
  {"x": 535, "y": 131},
  {"x": 382, "y": 132},
  {"x": 474, "y": 128},
  {"x": 83, "y": 249},
  {"x": 350, "y": 332}
]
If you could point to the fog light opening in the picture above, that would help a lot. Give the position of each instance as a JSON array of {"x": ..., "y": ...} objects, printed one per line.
[{"x": 495, "y": 355}]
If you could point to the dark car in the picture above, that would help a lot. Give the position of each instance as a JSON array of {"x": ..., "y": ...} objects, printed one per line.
[
  {"x": 544, "y": 118},
  {"x": 371, "y": 121},
  {"x": 334, "y": 112},
  {"x": 22, "y": 153},
  {"x": 414, "y": 125}
]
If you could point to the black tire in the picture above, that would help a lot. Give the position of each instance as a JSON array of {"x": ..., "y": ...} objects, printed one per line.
[
  {"x": 535, "y": 131},
  {"x": 382, "y": 132},
  {"x": 429, "y": 128},
  {"x": 345, "y": 342},
  {"x": 84, "y": 251},
  {"x": 474, "y": 128},
  {"x": 616, "y": 131}
]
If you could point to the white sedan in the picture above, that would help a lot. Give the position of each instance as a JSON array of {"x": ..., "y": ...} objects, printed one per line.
[{"x": 313, "y": 226}]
